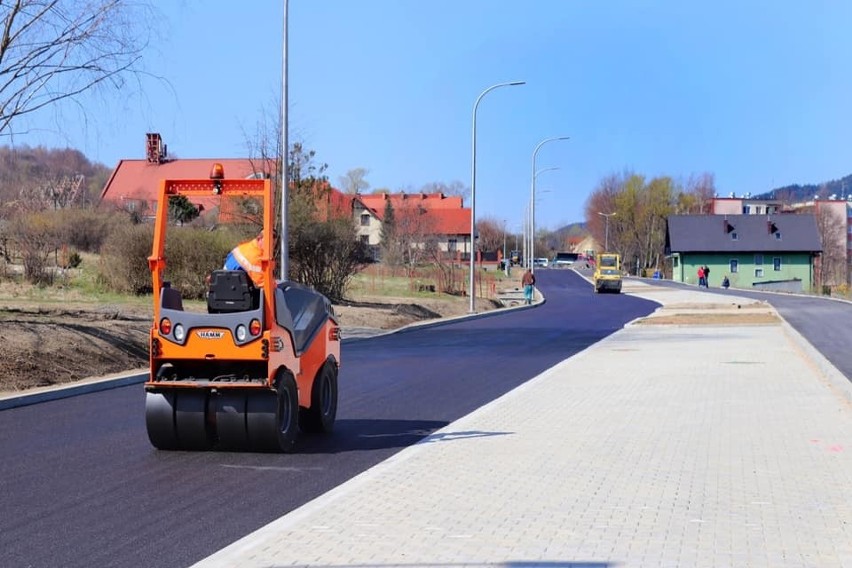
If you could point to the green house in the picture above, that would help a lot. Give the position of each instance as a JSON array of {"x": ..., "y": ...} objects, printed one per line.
[{"x": 776, "y": 252}]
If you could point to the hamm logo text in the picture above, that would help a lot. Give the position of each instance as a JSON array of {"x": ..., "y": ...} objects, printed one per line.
[{"x": 210, "y": 334}]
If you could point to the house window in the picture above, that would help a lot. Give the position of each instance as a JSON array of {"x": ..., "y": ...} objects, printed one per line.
[
  {"x": 734, "y": 236},
  {"x": 758, "y": 260},
  {"x": 365, "y": 219},
  {"x": 746, "y": 209},
  {"x": 451, "y": 245},
  {"x": 675, "y": 261},
  {"x": 734, "y": 265},
  {"x": 776, "y": 264},
  {"x": 758, "y": 273}
]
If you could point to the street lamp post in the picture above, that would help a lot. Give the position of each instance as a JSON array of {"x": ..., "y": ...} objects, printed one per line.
[
  {"x": 504, "y": 239},
  {"x": 530, "y": 236},
  {"x": 505, "y": 260},
  {"x": 285, "y": 187},
  {"x": 532, "y": 190},
  {"x": 526, "y": 233},
  {"x": 606, "y": 230},
  {"x": 472, "y": 289}
]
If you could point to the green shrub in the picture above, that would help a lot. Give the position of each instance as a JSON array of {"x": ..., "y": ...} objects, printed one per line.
[
  {"x": 123, "y": 264},
  {"x": 34, "y": 237},
  {"x": 87, "y": 229},
  {"x": 190, "y": 253}
]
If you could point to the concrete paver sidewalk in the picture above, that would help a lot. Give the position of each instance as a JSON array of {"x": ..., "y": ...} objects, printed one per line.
[{"x": 659, "y": 446}]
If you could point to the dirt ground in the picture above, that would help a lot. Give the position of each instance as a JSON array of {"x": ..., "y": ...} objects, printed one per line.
[
  {"x": 725, "y": 314},
  {"x": 42, "y": 344}
]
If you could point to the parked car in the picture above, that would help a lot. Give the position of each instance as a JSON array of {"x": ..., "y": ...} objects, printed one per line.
[
  {"x": 565, "y": 259},
  {"x": 542, "y": 262}
]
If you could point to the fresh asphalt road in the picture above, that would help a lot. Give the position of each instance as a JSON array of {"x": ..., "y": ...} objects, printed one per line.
[{"x": 81, "y": 486}]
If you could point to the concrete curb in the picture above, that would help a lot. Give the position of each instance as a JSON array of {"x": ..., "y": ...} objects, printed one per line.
[
  {"x": 835, "y": 380},
  {"x": 46, "y": 394}
]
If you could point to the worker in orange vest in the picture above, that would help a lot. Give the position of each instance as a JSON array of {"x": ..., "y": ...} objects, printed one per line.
[{"x": 246, "y": 256}]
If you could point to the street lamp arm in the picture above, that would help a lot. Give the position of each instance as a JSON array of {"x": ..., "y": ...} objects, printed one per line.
[
  {"x": 542, "y": 170},
  {"x": 534, "y": 174},
  {"x": 491, "y": 88},
  {"x": 545, "y": 141},
  {"x": 472, "y": 290},
  {"x": 606, "y": 230}
]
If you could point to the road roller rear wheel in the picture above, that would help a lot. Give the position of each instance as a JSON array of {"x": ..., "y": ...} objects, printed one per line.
[
  {"x": 319, "y": 418},
  {"x": 160, "y": 420}
]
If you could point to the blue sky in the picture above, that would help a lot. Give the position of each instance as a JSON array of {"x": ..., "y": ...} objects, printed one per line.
[{"x": 758, "y": 93}]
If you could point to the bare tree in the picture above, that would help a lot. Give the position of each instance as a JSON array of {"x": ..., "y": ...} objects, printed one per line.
[
  {"x": 787, "y": 197},
  {"x": 455, "y": 188},
  {"x": 354, "y": 182},
  {"x": 602, "y": 200},
  {"x": 53, "y": 50},
  {"x": 53, "y": 192},
  {"x": 448, "y": 274},
  {"x": 406, "y": 241},
  {"x": 702, "y": 189},
  {"x": 831, "y": 225},
  {"x": 490, "y": 232}
]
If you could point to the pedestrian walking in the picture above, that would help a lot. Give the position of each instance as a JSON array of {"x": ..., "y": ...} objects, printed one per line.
[
  {"x": 528, "y": 280},
  {"x": 706, "y": 276},
  {"x": 701, "y": 281}
]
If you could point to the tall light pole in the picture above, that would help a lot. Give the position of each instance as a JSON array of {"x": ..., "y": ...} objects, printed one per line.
[
  {"x": 606, "y": 230},
  {"x": 532, "y": 189},
  {"x": 525, "y": 228},
  {"x": 531, "y": 235},
  {"x": 472, "y": 289},
  {"x": 504, "y": 240},
  {"x": 284, "y": 157}
]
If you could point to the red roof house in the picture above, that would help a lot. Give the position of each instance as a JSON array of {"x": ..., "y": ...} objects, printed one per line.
[
  {"x": 134, "y": 182},
  {"x": 432, "y": 215}
]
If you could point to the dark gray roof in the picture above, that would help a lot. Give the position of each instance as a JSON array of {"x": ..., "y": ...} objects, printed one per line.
[{"x": 754, "y": 233}]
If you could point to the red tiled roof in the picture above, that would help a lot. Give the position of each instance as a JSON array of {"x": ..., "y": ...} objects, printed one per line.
[
  {"x": 137, "y": 180},
  {"x": 450, "y": 221},
  {"x": 339, "y": 203},
  {"x": 443, "y": 215},
  {"x": 377, "y": 202}
]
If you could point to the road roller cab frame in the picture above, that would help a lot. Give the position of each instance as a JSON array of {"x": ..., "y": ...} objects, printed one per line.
[{"x": 253, "y": 371}]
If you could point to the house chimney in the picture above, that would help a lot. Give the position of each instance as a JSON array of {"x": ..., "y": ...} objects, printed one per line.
[{"x": 154, "y": 149}]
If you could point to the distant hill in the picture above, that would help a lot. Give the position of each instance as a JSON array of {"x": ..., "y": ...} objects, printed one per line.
[
  {"x": 564, "y": 237},
  {"x": 31, "y": 171},
  {"x": 841, "y": 188}
]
